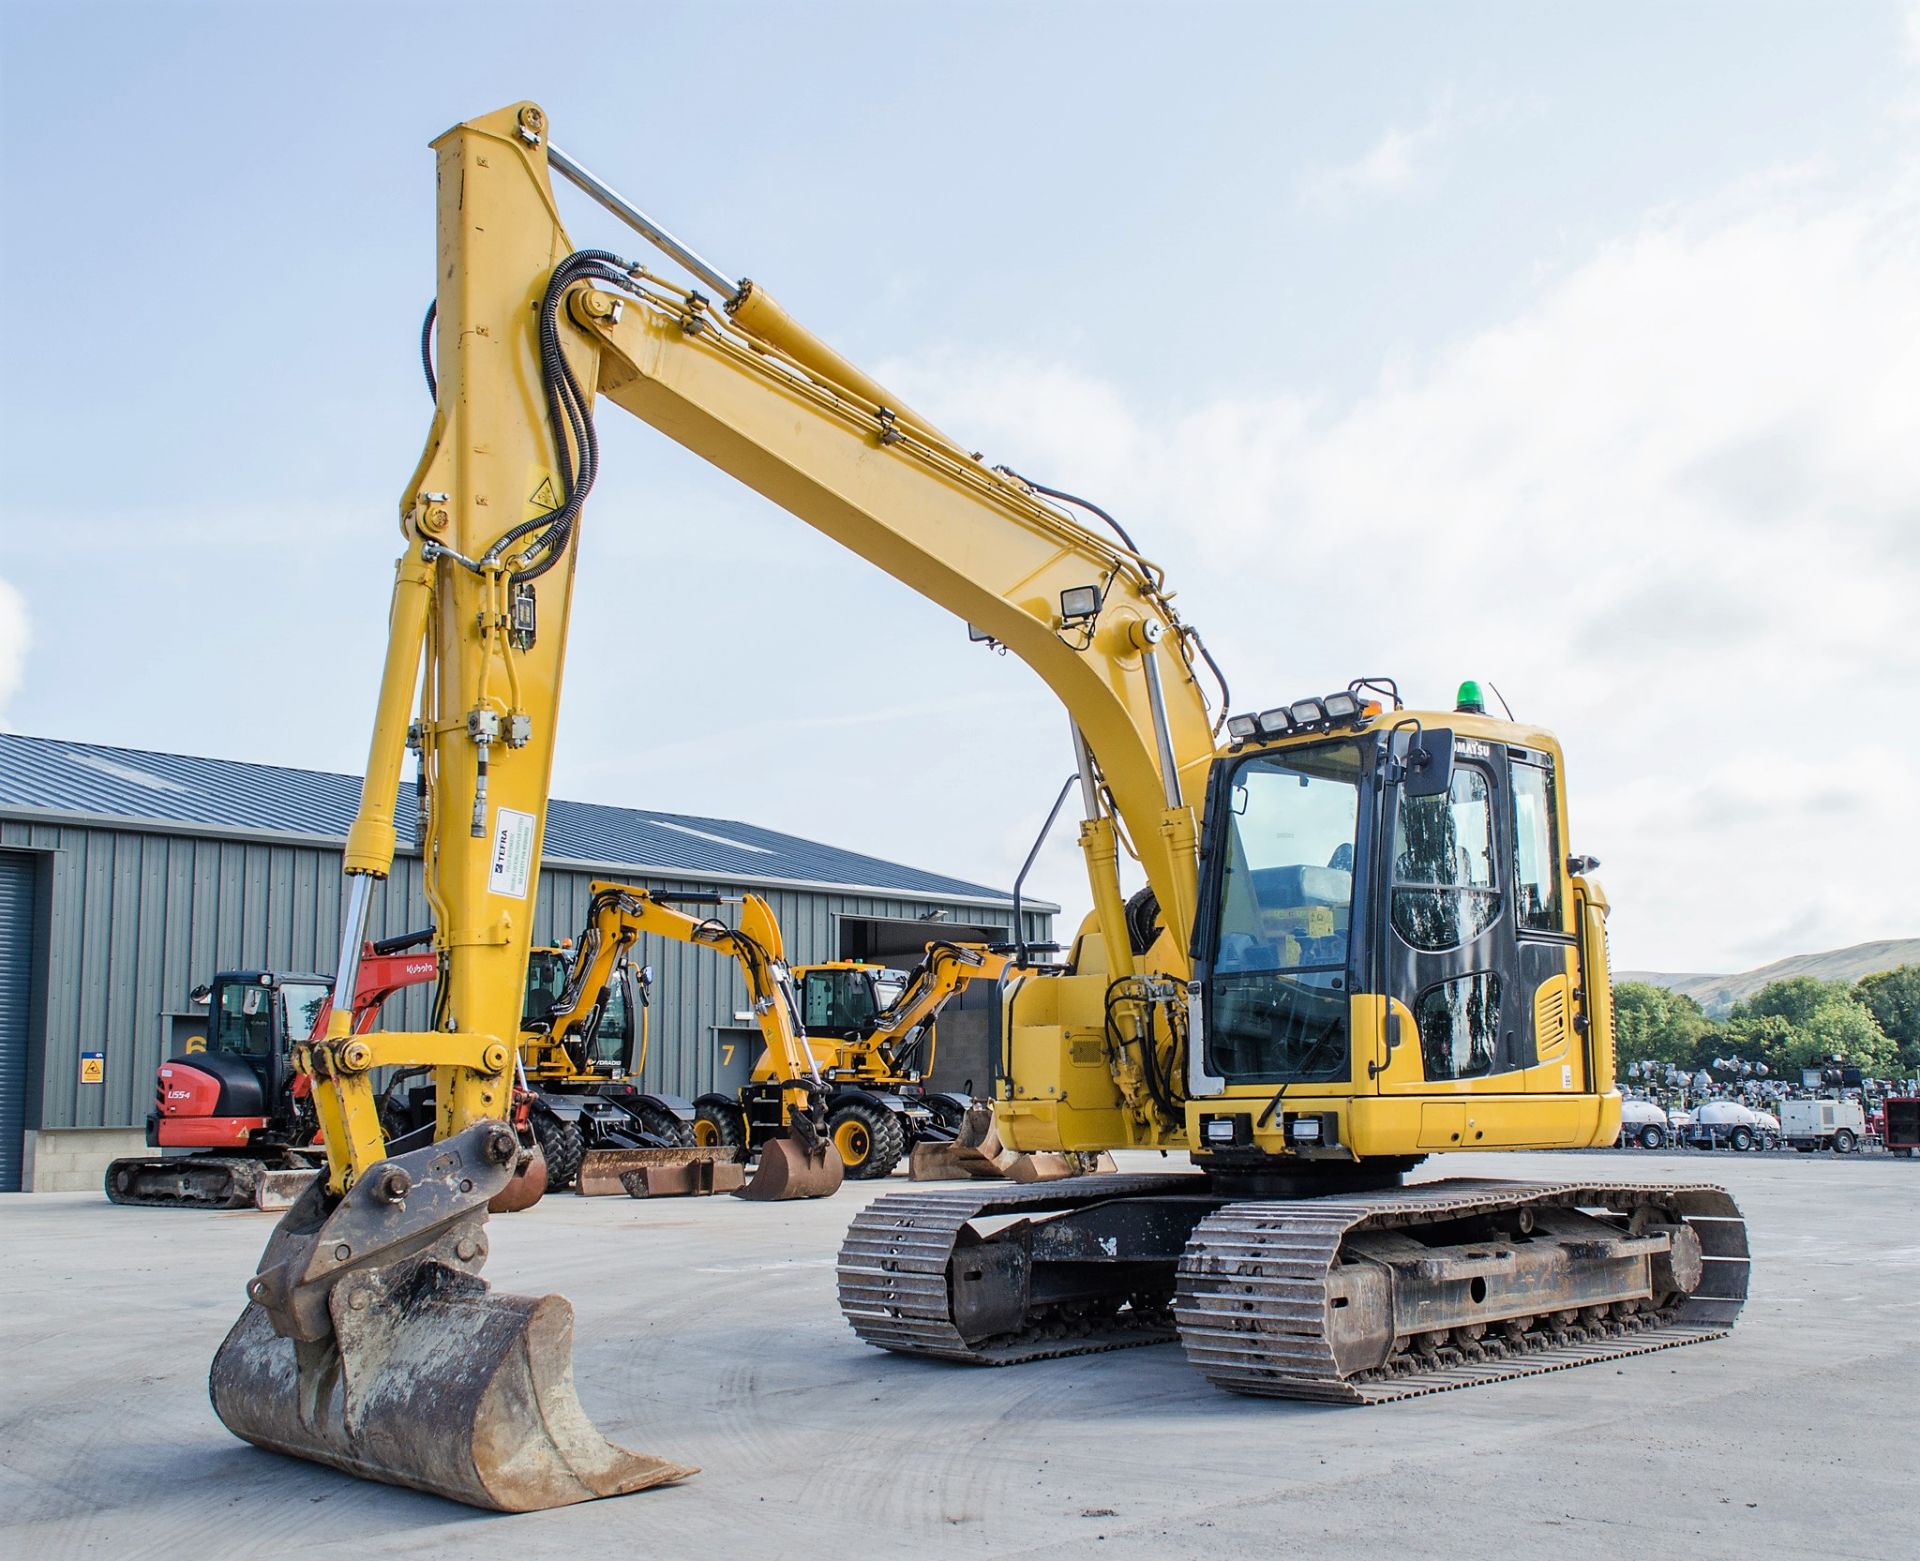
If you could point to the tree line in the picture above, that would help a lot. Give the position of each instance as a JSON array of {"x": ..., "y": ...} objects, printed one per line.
[{"x": 1873, "y": 1023}]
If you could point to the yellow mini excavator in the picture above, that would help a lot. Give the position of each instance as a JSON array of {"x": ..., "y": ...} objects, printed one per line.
[{"x": 1368, "y": 939}]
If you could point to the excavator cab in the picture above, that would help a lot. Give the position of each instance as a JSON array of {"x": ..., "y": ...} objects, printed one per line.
[
  {"x": 612, "y": 1044},
  {"x": 240, "y": 1080},
  {"x": 843, "y": 999},
  {"x": 1389, "y": 908},
  {"x": 258, "y": 1015},
  {"x": 546, "y": 980}
]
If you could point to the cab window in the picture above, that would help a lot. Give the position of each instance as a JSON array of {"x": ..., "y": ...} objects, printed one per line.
[
  {"x": 615, "y": 1028},
  {"x": 304, "y": 1000},
  {"x": 244, "y": 1025},
  {"x": 837, "y": 1000},
  {"x": 1444, "y": 891},
  {"x": 1459, "y": 1022},
  {"x": 1536, "y": 850},
  {"x": 1278, "y": 997}
]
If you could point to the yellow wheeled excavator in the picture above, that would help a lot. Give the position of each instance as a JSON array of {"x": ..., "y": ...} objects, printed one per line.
[
  {"x": 1368, "y": 940},
  {"x": 584, "y": 1047},
  {"x": 872, "y": 1042},
  {"x": 796, "y": 1158}
]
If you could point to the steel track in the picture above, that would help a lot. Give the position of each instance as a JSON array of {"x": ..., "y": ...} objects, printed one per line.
[{"x": 1250, "y": 1306}]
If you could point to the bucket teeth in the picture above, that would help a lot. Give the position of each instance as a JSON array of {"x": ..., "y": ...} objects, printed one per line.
[{"x": 373, "y": 1346}]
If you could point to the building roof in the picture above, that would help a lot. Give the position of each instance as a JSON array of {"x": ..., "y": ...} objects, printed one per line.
[{"x": 90, "y": 782}]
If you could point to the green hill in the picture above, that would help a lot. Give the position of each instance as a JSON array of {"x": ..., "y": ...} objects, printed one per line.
[{"x": 1717, "y": 994}]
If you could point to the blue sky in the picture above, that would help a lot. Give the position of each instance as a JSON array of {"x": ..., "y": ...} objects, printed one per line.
[{"x": 1574, "y": 348}]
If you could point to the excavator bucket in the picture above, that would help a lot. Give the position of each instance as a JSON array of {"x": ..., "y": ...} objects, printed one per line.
[
  {"x": 278, "y": 1190},
  {"x": 976, "y": 1154},
  {"x": 656, "y": 1173},
  {"x": 803, "y": 1164},
  {"x": 371, "y": 1344},
  {"x": 526, "y": 1187}
]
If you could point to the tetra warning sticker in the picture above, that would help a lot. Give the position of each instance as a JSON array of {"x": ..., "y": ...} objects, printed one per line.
[{"x": 512, "y": 853}]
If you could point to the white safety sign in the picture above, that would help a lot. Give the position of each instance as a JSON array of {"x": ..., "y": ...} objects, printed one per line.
[{"x": 512, "y": 853}]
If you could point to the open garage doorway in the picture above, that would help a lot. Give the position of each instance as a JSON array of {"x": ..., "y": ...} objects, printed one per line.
[
  {"x": 967, "y": 1034},
  {"x": 902, "y": 942}
]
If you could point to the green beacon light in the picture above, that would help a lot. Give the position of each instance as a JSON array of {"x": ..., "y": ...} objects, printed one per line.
[{"x": 1469, "y": 701}]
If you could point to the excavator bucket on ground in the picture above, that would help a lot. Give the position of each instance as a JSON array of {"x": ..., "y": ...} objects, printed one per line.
[
  {"x": 976, "y": 1154},
  {"x": 657, "y": 1173},
  {"x": 802, "y": 1164},
  {"x": 371, "y": 1344}
]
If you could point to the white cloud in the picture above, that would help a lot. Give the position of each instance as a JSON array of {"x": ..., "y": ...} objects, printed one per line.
[
  {"x": 1672, "y": 508},
  {"x": 1400, "y": 160},
  {"x": 16, "y": 636}
]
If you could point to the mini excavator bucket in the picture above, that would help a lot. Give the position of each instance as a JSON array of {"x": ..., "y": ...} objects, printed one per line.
[
  {"x": 802, "y": 1164},
  {"x": 976, "y": 1154},
  {"x": 370, "y": 1343},
  {"x": 526, "y": 1186}
]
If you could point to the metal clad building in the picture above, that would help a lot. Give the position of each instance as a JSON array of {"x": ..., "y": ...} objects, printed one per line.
[{"x": 128, "y": 878}]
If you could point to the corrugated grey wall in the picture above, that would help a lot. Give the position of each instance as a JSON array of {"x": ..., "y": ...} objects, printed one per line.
[{"x": 139, "y": 918}]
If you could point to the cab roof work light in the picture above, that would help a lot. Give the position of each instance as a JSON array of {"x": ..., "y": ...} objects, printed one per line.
[{"x": 1346, "y": 708}]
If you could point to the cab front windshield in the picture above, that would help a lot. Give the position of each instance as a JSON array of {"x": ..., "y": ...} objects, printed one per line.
[
  {"x": 1277, "y": 1009},
  {"x": 837, "y": 1002},
  {"x": 546, "y": 980},
  {"x": 243, "y": 1021},
  {"x": 304, "y": 1000}
]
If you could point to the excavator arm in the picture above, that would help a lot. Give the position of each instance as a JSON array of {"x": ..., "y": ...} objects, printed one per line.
[{"x": 947, "y": 968}]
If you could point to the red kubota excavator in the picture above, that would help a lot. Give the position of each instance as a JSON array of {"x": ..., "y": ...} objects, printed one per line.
[{"x": 233, "y": 1099}]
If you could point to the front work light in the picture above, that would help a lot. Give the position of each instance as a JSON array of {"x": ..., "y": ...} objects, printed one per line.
[
  {"x": 1079, "y": 603},
  {"x": 1343, "y": 706},
  {"x": 1307, "y": 712},
  {"x": 1241, "y": 727},
  {"x": 1274, "y": 723}
]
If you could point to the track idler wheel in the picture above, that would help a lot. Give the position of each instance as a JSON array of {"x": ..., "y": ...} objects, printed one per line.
[
  {"x": 372, "y": 1345},
  {"x": 800, "y": 1164}
]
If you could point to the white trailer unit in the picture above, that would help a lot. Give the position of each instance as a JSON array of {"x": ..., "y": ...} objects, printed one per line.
[{"x": 1838, "y": 1125}]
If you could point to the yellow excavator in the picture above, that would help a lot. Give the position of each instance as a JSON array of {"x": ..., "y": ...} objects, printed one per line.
[
  {"x": 872, "y": 1040},
  {"x": 631, "y": 1147},
  {"x": 1368, "y": 940}
]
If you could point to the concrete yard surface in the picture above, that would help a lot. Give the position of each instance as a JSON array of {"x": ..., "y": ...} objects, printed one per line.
[{"x": 708, "y": 1332}]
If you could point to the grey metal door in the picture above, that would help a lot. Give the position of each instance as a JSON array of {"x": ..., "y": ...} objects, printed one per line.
[
  {"x": 16, "y": 986},
  {"x": 735, "y": 1051}
]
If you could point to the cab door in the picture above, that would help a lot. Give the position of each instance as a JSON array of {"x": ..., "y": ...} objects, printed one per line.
[
  {"x": 1463, "y": 983},
  {"x": 1545, "y": 929}
]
